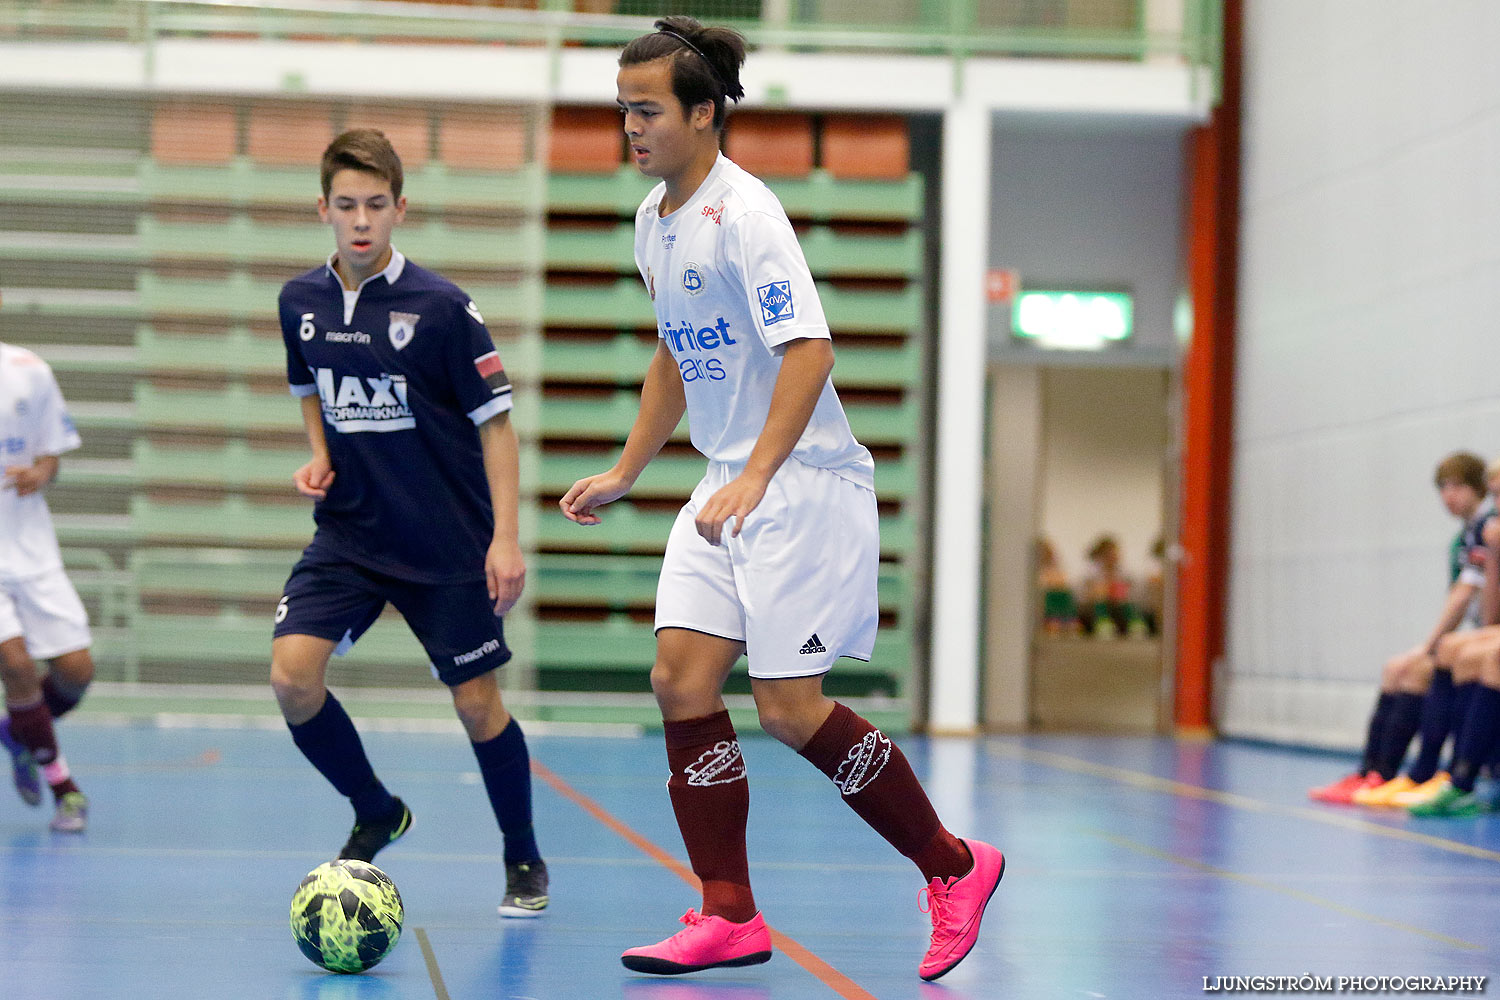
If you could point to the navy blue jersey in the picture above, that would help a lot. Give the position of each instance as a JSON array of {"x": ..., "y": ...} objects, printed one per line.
[
  {"x": 1468, "y": 553},
  {"x": 406, "y": 372}
]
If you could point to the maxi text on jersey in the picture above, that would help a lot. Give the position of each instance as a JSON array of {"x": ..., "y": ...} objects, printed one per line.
[
  {"x": 689, "y": 343},
  {"x": 354, "y": 403}
]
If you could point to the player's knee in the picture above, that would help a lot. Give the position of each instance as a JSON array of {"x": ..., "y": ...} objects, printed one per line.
[
  {"x": 1392, "y": 673},
  {"x": 297, "y": 689},
  {"x": 782, "y": 723},
  {"x": 479, "y": 708},
  {"x": 74, "y": 669},
  {"x": 1489, "y": 670},
  {"x": 17, "y": 669},
  {"x": 1466, "y": 666},
  {"x": 1416, "y": 678},
  {"x": 682, "y": 693}
]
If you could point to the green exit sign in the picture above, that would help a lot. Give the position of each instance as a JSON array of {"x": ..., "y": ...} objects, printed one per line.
[{"x": 1072, "y": 320}]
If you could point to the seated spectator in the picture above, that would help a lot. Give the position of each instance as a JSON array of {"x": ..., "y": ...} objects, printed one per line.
[
  {"x": 1106, "y": 609},
  {"x": 1153, "y": 590},
  {"x": 1059, "y": 605}
]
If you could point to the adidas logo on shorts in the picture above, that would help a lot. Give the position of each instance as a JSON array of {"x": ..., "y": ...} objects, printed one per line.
[{"x": 813, "y": 645}]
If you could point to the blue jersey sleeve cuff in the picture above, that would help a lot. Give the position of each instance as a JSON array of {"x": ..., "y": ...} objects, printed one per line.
[
  {"x": 299, "y": 391},
  {"x": 496, "y": 406}
]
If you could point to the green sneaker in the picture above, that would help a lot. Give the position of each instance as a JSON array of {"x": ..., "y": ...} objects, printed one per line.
[
  {"x": 1450, "y": 801},
  {"x": 72, "y": 814}
]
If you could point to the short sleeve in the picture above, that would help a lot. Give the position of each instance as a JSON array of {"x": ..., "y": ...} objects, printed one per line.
[
  {"x": 298, "y": 376},
  {"x": 763, "y": 254},
  {"x": 479, "y": 379},
  {"x": 1472, "y": 572},
  {"x": 55, "y": 433}
]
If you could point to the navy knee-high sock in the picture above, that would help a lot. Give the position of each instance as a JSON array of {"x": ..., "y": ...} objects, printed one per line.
[
  {"x": 1476, "y": 741},
  {"x": 61, "y": 696},
  {"x": 331, "y": 743},
  {"x": 1463, "y": 694},
  {"x": 1402, "y": 723},
  {"x": 1375, "y": 735},
  {"x": 505, "y": 765},
  {"x": 1437, "y": 719}
]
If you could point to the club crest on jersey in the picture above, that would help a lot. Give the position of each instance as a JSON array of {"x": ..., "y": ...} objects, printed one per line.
[
  {"x": 692, "y": 278},
  {"x": 776, "y": 302},
  {"x": 403, "y": 328}
]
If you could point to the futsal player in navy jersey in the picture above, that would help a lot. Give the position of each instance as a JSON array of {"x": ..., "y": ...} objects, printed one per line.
[
  {"x": 1417, "y": 689},
  {"x": 414, "y": 473},
  {"x": 776, "y": 554}
]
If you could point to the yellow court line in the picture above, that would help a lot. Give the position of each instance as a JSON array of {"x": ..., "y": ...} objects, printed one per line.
[
  {"x": 1297, "y": 894},
  {"x": 1166, "y": 786}
]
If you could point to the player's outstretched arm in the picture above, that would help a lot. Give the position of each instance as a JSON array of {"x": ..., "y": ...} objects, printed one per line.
[
  {"x": 314, "y": 478},
  {"x": 805, "y": 366},
  {"x": 662, "y": 406},
  {"x": 504, "y": 565}
]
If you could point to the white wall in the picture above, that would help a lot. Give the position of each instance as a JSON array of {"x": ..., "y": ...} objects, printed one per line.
[
  {"x": 1370, "y": 250},
  {"x": 1090, "y": 203}
]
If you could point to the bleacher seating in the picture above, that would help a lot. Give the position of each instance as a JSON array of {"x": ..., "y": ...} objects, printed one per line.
[{"x": 178, "y": 516}]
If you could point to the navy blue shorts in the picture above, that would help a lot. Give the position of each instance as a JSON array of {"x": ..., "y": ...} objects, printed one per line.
[{"x": 329, "y": 597}]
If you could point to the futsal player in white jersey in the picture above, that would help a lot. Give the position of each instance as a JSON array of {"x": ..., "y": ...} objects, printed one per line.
[
  {"x": 41, "y": 617},
  {"x": 775, "y": 555}
]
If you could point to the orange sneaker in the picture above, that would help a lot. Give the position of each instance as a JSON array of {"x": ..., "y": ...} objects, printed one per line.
[
  {"x": 1383, "y": 795},
  {"x": 1341, "y": 792},
  {"x": 1420, "y": 794}
]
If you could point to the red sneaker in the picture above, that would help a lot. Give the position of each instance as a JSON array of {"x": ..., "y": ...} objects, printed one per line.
[
  {"x": 706, "y": 943},
  {"x": 1341, "y": 792},
  {"x": 957, "y": 906}
]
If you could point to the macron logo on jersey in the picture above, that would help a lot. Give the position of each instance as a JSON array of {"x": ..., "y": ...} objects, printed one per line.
[{"x": 354, "y": 404}]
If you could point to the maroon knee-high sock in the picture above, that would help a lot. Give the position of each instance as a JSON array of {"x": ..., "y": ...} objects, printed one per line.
[
  {"x": 712, "y": 801},
  {"x": 879, "y": 785},
  {"x": 31, "y": 726}
]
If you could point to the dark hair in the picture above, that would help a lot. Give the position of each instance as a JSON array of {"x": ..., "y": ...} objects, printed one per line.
[
  {"x": 1463, "y": 468},
  {"x": 364, "y": 149},
  {"x": 706, "y": 61}
]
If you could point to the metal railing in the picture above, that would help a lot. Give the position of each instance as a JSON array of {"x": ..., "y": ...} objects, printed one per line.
[{"x": 1098, "y": 29}]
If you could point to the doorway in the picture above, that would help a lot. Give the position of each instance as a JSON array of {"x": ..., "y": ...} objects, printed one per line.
[{"x": 1082, "y": 463}]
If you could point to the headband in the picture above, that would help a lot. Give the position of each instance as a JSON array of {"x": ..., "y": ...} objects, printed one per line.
[{"x": 717, "y": 78}]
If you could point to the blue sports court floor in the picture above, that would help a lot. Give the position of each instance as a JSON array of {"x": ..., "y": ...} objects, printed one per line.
[{"x": 1136, "y": 869}]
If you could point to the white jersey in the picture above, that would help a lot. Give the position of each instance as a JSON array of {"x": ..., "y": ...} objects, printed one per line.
[
  {"x": 731, "y": 288},
  {"x": 34, "y": 423}
]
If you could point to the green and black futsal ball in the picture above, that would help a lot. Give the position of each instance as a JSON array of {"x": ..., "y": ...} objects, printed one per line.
[{"x": 346, "y": 915}]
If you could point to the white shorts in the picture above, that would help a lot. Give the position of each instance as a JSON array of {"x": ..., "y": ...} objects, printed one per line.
[
  {"x": 46, "y": 611},
  {"x": 797, "y": 586}
]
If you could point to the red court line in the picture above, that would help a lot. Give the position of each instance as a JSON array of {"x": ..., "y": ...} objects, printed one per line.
[{"x": 819, "y": 969}]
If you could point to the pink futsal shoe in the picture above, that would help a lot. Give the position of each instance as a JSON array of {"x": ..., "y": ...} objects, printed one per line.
[
  {"x": 706, "y": 943},
  {"x": 957, "y": 906}
]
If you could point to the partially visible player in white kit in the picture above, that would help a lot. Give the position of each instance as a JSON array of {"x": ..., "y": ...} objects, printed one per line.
[
  {"x": 776, "y": 553},
  {"x": 41, "y": 617}
]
